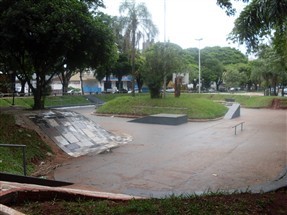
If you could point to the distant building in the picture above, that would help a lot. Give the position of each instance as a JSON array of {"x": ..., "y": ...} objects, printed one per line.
[{"x": 91, "y": 84}]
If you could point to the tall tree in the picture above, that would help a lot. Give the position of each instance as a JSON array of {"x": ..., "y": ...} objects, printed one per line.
[
  {"x": 137, "y": 22},
  {"x": 213, "y": 61},
  {"x": 258, "y": 20},
  {"x": 122, "y": 67},
  {"x": 261, "y": 21},
  {"x": 272, "y": 69},
  {"x": 46, "y": 34},
  {"x": 161, "y": 59},
  {"x": 227, "y": 5}
]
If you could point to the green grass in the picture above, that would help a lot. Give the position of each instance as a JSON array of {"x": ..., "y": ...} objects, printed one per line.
[
  {"x": 110, "y": 96},
  {"x": 143, "y": 105},
  {"x": 244, "y": 100},
  {"x": 66, "y": 100},
  {"x": 11, "y": 158},
  {"x": 216, "y": 203},
  {"x": 50, "y": 101},
  {"x": 196, "y": 106}
]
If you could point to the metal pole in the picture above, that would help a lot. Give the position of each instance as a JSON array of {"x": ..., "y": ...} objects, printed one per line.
[
  {"x": 164, "y": 77},
  {"x": 199, "y": 65},
  {"x": 24, "y": 160},
  {"x": 14, "y": 80},
  {"x": 164, "y": 20}
]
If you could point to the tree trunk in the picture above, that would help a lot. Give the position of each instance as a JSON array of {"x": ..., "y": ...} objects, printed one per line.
[
  {"x": 139, "y": 83},
  {"x": 120, "y": 81},
  {"x": 154, "y": 93},
  {"x": 177, "y": 86},
  {"x": 41, "y": 90},
  {"x": 81, "y": 82},
  {"x": 23, "y": 82},
  {"x": 133, "y": 55},
  {"x": 65, "y": 86},
  {"x": 39, "y": 100}
]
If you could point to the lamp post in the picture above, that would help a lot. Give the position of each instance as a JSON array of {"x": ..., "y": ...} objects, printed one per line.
[
  {"x": 12, "y": 73},
  {"x": 199, "y": 81},
  {"x": 164, "y": 77}
]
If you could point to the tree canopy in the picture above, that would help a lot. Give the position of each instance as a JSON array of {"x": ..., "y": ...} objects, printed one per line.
[
  {"x": 46, "y": 35},
  {"x": 161, "y": 59},
  {"x": 137, "y": 24},
  {"x": 258, "y": 20}
]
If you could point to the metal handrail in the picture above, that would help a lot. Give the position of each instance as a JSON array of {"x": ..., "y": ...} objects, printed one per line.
[
  {"x": 241, "y": 124},
  {"x": 23, "y": 152}
]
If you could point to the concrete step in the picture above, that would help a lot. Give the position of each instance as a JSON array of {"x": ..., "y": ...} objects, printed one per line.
[{"x": 163, "y": 119}]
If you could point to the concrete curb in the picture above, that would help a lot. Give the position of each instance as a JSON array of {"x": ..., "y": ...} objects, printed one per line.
[
  {"x": 16, "y": 192},
  {"x": 9, "y": 211}
]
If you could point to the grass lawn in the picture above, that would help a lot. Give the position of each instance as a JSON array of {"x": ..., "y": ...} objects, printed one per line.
[
  {"x": 196, "y": 106},
  {"x": 50, "y": 101},
  {"x": 243, "y": 100},
  {"x": 11, "y": 158},
  {"x": 216, "y": 203}
]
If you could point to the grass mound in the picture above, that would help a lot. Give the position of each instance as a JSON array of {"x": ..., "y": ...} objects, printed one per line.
[
  {"x": 11, "y": 158},
  {"x": 195, "y": 108}
]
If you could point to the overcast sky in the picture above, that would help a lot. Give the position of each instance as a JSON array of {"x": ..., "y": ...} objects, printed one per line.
[{"x": 188, "y": 20}]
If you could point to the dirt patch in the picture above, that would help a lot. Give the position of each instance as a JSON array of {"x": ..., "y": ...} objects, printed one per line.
[
  {"x": 276, "y": 104},
  {"x": 279, "y": 103}
]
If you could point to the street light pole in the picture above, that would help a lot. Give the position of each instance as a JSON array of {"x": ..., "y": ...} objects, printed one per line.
[
  {"x": 164, "y": 77},
  {"x": 199, "y": 64},
  {"x": 12, "y": 73}
]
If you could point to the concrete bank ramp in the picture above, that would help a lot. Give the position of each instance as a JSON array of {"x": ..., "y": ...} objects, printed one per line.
[
  {"x": 76, "y": 134},
  {"x": 163, "y": 119},
  {"x": 233, "y": 112}
]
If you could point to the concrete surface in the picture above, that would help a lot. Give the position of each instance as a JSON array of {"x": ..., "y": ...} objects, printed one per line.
[
  {"x": 163, "y": 119},
  {"x": 190, "y": 158},
  {"x": 233, "y": 112},
  {"x": 75, "y": 134}
]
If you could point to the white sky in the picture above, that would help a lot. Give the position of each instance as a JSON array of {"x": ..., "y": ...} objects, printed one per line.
[{"x": 188, "y": 20}]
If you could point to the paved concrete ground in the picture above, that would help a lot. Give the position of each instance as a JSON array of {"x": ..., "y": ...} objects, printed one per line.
[{"x": 192, "y": 157}]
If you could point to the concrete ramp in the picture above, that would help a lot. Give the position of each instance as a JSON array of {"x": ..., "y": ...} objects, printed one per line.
[
  {"x": 75, "y": 134},
  {"x": 163, "y": 119},
  {"x": 233, "y": 112}
]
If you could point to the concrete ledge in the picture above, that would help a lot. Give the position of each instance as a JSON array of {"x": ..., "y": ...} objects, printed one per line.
[
  {"x": 17, "y": 193},
  {"x": 9, "y": 211},
  {"x": 163, "y": 119}
]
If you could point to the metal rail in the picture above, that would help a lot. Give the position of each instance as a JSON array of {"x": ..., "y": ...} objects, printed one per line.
[{"x": 238, "y": 125}]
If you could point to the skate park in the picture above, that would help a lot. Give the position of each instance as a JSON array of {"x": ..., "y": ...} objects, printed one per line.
[{"x": 194, "y": 157}]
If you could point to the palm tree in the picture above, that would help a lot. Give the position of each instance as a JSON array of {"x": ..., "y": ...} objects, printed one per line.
[{"x": 137, "y": 23}]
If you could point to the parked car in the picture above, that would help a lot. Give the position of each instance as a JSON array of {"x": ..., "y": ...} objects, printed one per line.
[
  {"x": 211, "y": 90},
  {"x": 74, "y": 92},
  {"x": 170, "y": 90},
  {"x": 121, "y": 91}
]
